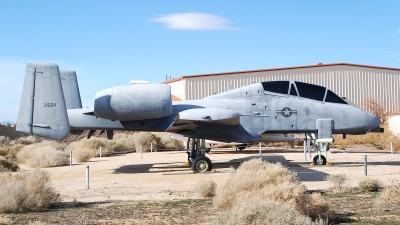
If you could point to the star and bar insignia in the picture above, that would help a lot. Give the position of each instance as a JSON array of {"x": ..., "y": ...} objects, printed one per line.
[{"x": 286, "y": 112}]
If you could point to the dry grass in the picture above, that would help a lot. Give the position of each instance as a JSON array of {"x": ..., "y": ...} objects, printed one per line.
[
  {"x": 9, "y": 148},
  {"x": 391, "y": 192},
  {"x": 37, "y": 222},
  {"x": 206, "y": 188},
  {"x": 338, "y": 181},
  {"x": 370, "y": 185},
  {"x": 7, "y": 165},
  {"x": 41, "y": 155},
  {"x": 86, "y": 149},
  {"x": 265, "y": 181},
  {"x": 26, "y": 191},
  {"x": 160, "y": 140},
  {"x": 164, "y": 141},
  {"x": 380, "y": 141},
  {"x": 254, "y": 211}
]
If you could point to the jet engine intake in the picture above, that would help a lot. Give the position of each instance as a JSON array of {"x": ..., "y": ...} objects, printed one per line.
[{"x": 136, "y": 102}]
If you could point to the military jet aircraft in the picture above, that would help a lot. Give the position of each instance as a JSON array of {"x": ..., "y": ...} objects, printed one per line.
[{"x": 50, "y": 108}]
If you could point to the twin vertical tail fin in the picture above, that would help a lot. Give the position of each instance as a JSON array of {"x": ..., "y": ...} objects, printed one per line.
[
  {"x": 70, "y": 88},
  {"x": 43, "y": 108}
]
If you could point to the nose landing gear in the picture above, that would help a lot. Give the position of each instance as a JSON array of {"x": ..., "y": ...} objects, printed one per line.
[{"x": 197, "y": 158}]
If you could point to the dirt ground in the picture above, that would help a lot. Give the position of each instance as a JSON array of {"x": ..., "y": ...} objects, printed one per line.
[{"x": 151, "y": 189}]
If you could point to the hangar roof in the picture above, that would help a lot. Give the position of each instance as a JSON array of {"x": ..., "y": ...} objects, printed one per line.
[{"x": 277, "y": 69}]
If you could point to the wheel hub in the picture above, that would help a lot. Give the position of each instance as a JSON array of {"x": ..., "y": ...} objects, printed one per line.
[{"x": 201, "y": 166}]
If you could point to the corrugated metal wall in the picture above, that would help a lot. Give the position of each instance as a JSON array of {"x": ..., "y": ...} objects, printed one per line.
[{"x": 357, "y": 84}]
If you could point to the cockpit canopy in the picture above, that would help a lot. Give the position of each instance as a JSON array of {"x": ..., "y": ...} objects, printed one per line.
[{"x": 303, "y": 90}]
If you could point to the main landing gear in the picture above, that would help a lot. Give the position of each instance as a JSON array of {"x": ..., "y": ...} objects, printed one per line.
[
  {"x": 197, "y": 158},
  {"x": 319, "y": 159}
]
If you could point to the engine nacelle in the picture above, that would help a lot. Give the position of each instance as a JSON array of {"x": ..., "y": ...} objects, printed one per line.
[{"x": 134, "y": 102}]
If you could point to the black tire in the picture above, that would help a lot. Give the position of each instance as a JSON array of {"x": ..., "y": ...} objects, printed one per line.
[
  {"x": 201, "y": 164},
  {"x": 317, "y": 161}
]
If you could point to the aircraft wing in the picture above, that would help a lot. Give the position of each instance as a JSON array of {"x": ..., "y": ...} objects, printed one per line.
[{"x": 191, "y": 119}]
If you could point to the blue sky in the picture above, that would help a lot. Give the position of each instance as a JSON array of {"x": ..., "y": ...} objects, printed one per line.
[{"x": 109, "y": 43}]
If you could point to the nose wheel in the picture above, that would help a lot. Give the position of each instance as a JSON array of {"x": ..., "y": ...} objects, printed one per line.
[
  {"x": 319, "y": 160},
  {"x": 196, "y": 157},
  {"x": 201, "y": 164}
]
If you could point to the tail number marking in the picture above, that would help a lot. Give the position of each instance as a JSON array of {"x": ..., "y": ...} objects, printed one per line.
[{"x": 49, "y": 104}]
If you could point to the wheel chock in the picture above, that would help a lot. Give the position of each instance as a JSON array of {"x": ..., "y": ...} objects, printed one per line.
[
  {"x": 312, "y": 164},
  {"x": 328, "y": 164},
  {"x": 191, "y": 172},
  {"x": 213, "y": 171},
  {"x": 186, "y": 163}
]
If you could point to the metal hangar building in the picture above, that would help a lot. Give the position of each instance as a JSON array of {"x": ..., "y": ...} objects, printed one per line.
[{"x": 357, "y": 83}]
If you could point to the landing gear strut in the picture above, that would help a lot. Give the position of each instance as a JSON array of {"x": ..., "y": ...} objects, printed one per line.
[
  {"x": 197, "y": 158},
  {"x": 319, "y": 159}
]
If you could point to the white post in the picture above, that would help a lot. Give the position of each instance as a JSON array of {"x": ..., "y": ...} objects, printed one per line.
[
  {"x": 391, "y": 147},
  {"x": 70, "y": 157},
  {"x": 151, "y": 146},
  {"x": 305, "y": 150},
  {"x": 365, "y": 165},
  {"x": 87, "y": 177},
  {"x": 141, "y": 152},
  {"x": 101, "y": 149},
  {"x": 260, "y": 148},
  {"x": 308, "y": 148}
]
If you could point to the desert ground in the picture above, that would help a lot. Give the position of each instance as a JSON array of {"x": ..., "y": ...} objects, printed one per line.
[
  {"x": 163, "y": 175},
  {"x": 124, "y": 180}
]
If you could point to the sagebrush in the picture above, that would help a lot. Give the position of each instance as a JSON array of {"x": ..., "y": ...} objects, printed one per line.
[
  {"x": 9, "y": 148},
  {"x": 391, "y": 192},
  {"x": 254, "y": 211},
  {"x": 7, "y": 165},
  {"x": 371, "y": 185},
  {"x": 338, "y": 182},
  {"x": 86, "y": 149},
  {"x": 206, "y": 188},
  {"x": 264, "y": 181},
  {"x": 26, "y": 191},
  {"x": 43, "y": 154}
]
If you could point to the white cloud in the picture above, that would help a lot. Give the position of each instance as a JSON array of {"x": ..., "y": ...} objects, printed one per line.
[
  {"x": 194, "y": 21},
  {"x": 398, "y": 31}
]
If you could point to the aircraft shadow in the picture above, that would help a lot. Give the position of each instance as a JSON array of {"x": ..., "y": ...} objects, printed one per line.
[{"x": 304, "y": 172}]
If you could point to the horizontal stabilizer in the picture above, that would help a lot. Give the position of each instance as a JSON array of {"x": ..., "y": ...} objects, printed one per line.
[{"x": 42, "y": 109}]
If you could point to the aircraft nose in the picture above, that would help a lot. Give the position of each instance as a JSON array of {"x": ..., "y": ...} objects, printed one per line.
[{"x": 373, "y": 121}]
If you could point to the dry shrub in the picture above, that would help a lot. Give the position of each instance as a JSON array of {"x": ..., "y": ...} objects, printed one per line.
[
  {"x": 377, "y": 108},
  {"x": 26, "y": 140},
  {"x": 144, "y": 139},
  {"x": 4, "y": 140},
  {"x": 125, "y": 140},
  {"x": 165, "y": 141},
  {"x": 86, "y": 149},
  {"x": 9, "y": 148},
  {"x": 338, "y": 181},
  {"x": 37, "y": 222},
  {"x": 26, "y": 191},
  {"x": 266, "y": 181},
  {"x": 41, "y": 155},
  {"x": 371, "y": 185},
  {"x": 7, "y": 165},
  {"x": 391, "y": 192},
  {"x": 206, "y": 188},
  {"x": 253, "y": 211}
]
